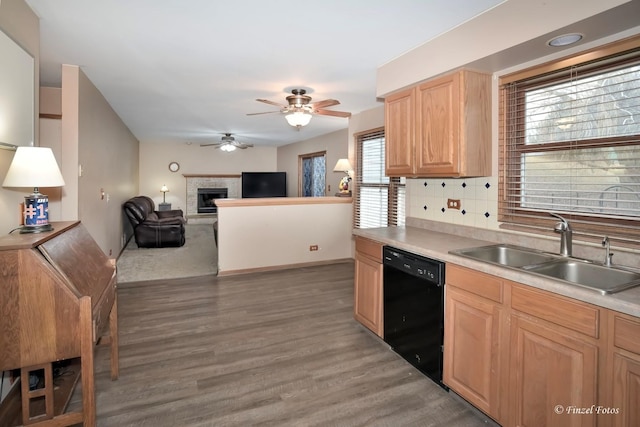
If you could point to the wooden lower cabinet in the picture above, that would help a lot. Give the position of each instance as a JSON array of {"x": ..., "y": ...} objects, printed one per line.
[
  {"x": 624, "y": 373},
  {"x": 367, "y": 299},
  {"x": 473, "y": 327},
  {"x": 626, "y": 391},
  {"x": 526, "y": 357},
  {"x": 552, "y": 375}
]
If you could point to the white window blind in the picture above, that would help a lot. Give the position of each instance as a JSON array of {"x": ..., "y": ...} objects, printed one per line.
[
  {"x": 379, "y": 200},
  {"x": 570, "y": 144}
]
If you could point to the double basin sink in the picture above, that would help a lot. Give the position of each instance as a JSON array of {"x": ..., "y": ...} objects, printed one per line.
[{"x": 576, "y": 271}]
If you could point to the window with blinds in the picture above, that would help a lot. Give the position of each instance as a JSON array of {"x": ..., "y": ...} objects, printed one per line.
[
  {"x": 379, "y": 200},
  {"x": 570, "y": 144}
]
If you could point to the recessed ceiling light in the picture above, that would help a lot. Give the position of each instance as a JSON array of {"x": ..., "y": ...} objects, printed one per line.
[{"x": 565, "y": 40}]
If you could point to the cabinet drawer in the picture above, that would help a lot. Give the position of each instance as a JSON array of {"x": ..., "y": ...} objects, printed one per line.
[
  {"x": 626, "y": 331},
  {"x": 481, "y": 284},
  {"x": 562, "y": 311},
  {"x": 370, "y": 248}
]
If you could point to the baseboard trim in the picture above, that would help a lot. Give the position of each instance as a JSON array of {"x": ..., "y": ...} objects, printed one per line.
[{"x": 282, "y": 267}]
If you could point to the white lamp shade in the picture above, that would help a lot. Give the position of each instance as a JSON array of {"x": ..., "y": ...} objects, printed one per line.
[
  {"x": 33, "y": 167},
  {"x": 164, "y": 189},
  {"x": 342, "y": 165},
  {"x": 298, "y": 118}
]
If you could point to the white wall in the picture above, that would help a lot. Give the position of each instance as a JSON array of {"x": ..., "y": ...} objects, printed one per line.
[
  {"x": 16, "y": 87},
  {"x": 510, "y": 24},
  {"x": 19, "y": 22},
  {"x": 155, "y": 157},
  {"x": 255, "y": 237},
  {"x": 335, "y": 144}
]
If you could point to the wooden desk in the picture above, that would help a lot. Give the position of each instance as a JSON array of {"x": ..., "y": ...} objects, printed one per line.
[{"x": 57, "y": 298}]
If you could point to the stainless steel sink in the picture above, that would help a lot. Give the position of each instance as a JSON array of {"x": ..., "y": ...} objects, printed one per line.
[
  {"x": 579, "y": 272},
  {"x": 507, "y": 255},
  {"x": 606, "y": 280}
]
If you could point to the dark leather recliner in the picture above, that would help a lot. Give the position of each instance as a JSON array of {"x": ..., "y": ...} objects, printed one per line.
[{"x": 154, "y": 229}]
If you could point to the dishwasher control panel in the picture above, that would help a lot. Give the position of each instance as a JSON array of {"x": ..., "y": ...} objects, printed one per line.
[{"x": 416, "y": 265}]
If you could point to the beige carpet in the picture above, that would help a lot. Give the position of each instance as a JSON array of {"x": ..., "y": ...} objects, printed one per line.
[{"x": 198, "y": 257}]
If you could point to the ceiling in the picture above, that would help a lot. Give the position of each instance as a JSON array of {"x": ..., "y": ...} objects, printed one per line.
[{"x": 190, "y": 71}]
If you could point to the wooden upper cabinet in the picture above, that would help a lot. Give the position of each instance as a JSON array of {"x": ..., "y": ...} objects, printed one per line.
[
  {"x": 440, "y": 128},
  {"x": 399, "y": 114}
]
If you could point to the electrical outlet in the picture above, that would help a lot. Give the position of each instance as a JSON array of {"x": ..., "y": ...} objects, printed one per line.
[
  {"x": 453, "y": 204},
  {"x": 313, "y": 248}
]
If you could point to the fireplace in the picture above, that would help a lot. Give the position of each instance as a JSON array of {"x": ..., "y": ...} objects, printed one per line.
[{"x": 207, "y": 197}]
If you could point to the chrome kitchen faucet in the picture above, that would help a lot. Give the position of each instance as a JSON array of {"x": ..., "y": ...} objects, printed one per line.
[
  {"x": 566, "y": 234},
  {"x": 607, "y": 252}
]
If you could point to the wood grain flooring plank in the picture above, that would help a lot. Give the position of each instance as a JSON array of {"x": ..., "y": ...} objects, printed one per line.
[{"x": 278, "y": 348}]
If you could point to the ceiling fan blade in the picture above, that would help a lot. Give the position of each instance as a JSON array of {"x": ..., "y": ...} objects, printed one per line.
[
  {"x": 325, "y": 103},
  {"x": 244, "y": 146},
  {"x": 266, "y": 112},
  {"x": 215, "y": 144},
  {"x": 266, "y": 101},
  {"x": 332, "y": 113}
]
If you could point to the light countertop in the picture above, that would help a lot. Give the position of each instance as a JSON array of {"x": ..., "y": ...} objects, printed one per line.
[{"x": 434, "y": 244}]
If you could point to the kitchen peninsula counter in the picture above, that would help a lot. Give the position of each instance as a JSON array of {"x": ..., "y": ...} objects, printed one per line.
[{"x": 437, "y": 244}]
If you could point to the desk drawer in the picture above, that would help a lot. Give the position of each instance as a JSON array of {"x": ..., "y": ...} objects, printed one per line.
[{"x": 102, "y": 310}]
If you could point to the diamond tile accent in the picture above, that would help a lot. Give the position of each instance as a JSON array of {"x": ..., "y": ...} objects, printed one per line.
[
  {"x": 424, "y": 207},
  {"x": 443, "y": 210},
  {"x": 464, "y": 185},
  {"x": 464, "y": 211},
  {"x": 425, "y": 183},
  {"x": 443, "y": 185},
  {"x": 487, "y": 215},
  {"x": 487, "y": 185}
]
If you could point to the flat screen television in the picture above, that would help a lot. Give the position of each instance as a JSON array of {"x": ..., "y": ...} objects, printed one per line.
[{"x": 264, "y": 184}]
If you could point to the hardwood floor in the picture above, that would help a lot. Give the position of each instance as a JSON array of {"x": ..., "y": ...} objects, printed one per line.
[{"x": 270, "y": 349}]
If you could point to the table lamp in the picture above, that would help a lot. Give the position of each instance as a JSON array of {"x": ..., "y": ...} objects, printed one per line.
[
  {"x": 34, "y": 167},
  {"x": 164, "y": 190},
  {"x": 343, "y": 165}
]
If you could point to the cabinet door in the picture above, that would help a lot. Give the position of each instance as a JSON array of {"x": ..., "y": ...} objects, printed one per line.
[
  {"x": 367, "y": 303},
  {"x": 437, "y": 139},
  {"x": 626, "y": 390},
  {"x": 553, "y": 375},
  {"x": 399, "y": 117},
  {"x": 472, "y": 349}
]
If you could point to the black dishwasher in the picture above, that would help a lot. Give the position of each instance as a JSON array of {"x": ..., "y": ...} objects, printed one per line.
[{"x": 414, "y": 309}]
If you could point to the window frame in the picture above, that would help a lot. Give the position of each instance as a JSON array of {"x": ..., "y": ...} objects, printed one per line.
[
  {"x": 393, "y": 187},
  {"x": 511, "y": 215}
]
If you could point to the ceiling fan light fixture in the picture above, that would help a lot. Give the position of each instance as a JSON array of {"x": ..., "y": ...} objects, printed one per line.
[
  {"x": 298, "y": 118},
  {"x": 227, "y": 147}
]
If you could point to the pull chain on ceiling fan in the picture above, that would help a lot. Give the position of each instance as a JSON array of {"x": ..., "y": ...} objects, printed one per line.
[{"x": 300, "y": 109}]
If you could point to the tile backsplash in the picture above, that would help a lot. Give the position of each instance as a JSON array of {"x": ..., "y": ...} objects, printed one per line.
[{"x": 427, "y": 199}]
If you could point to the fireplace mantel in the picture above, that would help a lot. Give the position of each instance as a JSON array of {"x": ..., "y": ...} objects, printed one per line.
[{"x": 200, "y": 175}]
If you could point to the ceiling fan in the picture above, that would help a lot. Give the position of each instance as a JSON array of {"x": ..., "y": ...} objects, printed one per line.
[
  {"x": 300, "y": 108},
  {"x": 228, "y": 143}
]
